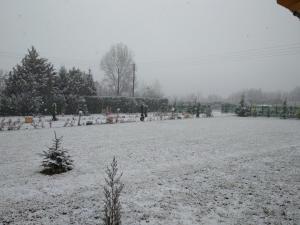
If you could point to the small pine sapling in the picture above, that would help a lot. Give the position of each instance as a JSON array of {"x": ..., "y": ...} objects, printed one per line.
[
  {"x": 56, "y": 159},
  {"x": 112, "y": 191}
]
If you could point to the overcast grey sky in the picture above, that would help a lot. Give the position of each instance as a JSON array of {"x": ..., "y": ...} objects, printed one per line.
[{"x": 206, "y": 46}]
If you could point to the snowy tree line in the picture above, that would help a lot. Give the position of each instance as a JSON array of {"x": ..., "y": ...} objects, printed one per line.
[
  {"x": 3, "y": 76},
  {"x": 33, "y": 86},
  {"x": 252, "y": 96},
  {"x": 258, "y": 96},
  {"x": 283, "y": 111}
]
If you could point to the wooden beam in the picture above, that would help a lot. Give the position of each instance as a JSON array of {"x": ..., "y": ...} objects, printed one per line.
[{"x": 293, "y": 5}]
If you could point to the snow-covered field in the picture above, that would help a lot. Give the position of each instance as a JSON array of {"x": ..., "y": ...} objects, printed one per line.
[
  {"x": 221, "y": 170},
  {"x": 14, "y": 123}
]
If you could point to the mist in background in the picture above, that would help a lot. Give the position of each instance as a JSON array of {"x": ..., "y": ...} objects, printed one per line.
[{"x": 205, "y": 47}]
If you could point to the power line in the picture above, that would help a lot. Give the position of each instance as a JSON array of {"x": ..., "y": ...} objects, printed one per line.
[
  {"x": 267, "y": 52},
  {"x": 233, "y": 56}
]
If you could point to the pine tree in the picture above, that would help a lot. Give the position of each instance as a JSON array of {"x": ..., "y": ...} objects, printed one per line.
[
  {"x": 284, "y": 111},
  {"x": 242, "y": 110},
  {"x": 56, "y": 159},
  {"x": 74, "y": 85},
  {"x": 31, "y": 83},
  {"x": 33, "y": 86},
  {"x": 112, "y": 192},
  {"x": 89, "y": 84},
  {"x": 63, "y": 80}
]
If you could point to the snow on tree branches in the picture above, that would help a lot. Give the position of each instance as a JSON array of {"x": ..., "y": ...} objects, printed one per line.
[
  {"x": 112, "y": 192},
  {"x": 56, "y": 159}
]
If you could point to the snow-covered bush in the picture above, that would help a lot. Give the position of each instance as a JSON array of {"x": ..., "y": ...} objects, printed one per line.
[
  {"x": 242, "y": 110},
  {"x": 112, "y": 192},
  {"x": 14, "y": 125},
  {"x": 56, "y": 159},
  {"x": 35, "y": 124},
  {"x": 2, "y": 124}
]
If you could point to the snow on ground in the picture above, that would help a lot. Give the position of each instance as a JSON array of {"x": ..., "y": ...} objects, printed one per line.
[
  {"x": 15, "y": 123},
  {"x": 221, "y": 170},
  {"x": 41, "y": 122}
]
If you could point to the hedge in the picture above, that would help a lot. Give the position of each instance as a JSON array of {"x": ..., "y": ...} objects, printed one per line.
[{"x": 96, "y": 104}]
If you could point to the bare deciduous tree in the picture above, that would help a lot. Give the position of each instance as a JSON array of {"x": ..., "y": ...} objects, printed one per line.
[{"x": 117, "y": 65}]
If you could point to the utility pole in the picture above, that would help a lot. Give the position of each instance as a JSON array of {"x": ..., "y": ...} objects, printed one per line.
[
  {"x": 133, "y": 78},
  {"x": 118, "y": 88}
]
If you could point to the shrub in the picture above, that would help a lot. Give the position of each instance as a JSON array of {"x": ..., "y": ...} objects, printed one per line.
[
  {"x": 96, "y": 104},
  {"x": 242, "y": 110},
  {"x": 56, "y": 159},
  {"x": 112, "y": 192},
  {"x": 298, "y": 114}
]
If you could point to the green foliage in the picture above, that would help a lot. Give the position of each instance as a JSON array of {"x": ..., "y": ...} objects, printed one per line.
[
  {"x": 284, "y": 111},
  {"x": 74, "y": 84},
  {"x": 298, "y": 114},
  {"x": 253, "y": 111},
  {"x": 56, "y": 159},
  {"x": 228, "y": 108},
  {"x": 29, "y": 86},
  {"x": 242, "y": 110},
  {"x": 33, "y": 86},
  {"x": 125, "y": 104},
  {"x": 112, "y": 191}
]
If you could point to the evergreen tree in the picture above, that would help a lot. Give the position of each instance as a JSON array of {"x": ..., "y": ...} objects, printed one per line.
[
  {"x": 284, "y": 111},
  {"x": 56, "y": 159},
  {"x": 62, "y": 81},
  {"x": 33, "y": 87},
  {"x": 31, "y": 84},
  {"x": 89, "y": 84},
  {"x": 75, "y": 84},
  {"x": 242, "y": 110},
  {"x": 3, "y": 77},
  {"x": 298, "y": 114},
  {"x": 112, "y": 192}
]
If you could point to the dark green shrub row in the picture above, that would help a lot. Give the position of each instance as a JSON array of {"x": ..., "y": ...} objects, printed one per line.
[
  {"x": 96, "y": 104},
  {"x": 271, "y": 111}
]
